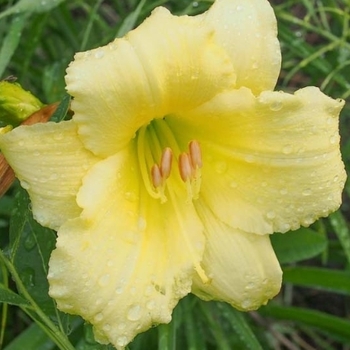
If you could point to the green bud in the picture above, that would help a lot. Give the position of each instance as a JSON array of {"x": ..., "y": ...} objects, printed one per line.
[{"x": 16, "y": 104}]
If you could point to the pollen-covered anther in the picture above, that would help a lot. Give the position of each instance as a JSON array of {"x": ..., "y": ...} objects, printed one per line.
[
  {"x": 189, "y": 168},
  {"x": 195, "y": 154},
  {"x": 156, "y": 176},
  {"x": 185, "y": 167},
  {"x": 165, "y": 163}
]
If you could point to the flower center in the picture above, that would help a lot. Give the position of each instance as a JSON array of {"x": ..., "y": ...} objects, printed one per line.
[{"x": 157, "y": 150}]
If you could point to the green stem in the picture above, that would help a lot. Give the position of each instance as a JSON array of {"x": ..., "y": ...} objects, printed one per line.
[{"x": 47, "y": 325}]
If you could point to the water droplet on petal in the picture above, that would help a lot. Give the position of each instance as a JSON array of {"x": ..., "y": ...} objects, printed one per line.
[
  {"x": 307, "y": 192},
  {"x": 99, "y": 53},
  {"x": 151, "y": 304},
  {"x": 121, "y": 326},
  {"x": 333, "y": 139},
  {"x": 246, "y": 303},
  {"x": 104, "y": 280},
  {"x": 122, "y": 341},
  {"x": 149, "y": 290},
  {"x": 130, "y": 196},
  {"x": 142, "y": 223},
  {"x": 220, "y": 167},
  {"x": 283, "y": 191},
  {"x": 134, "y": 313},
  {"x": 271, "y": 214},
  {"x": 233, "y": 184},
  {"x": 119, "y": 290},
  {"x": 98, "y": 317},
  {"x": 287, "y": 149},
  {"x": 276, "y": 106},
  {"x": 25, "y": 184},
  {"x": 106, "y": 327}
]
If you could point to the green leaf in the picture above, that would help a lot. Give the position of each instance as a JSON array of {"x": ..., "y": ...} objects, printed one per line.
[
  {"x": 9, "y": 297},
  {"x": 130, "y": 20},
  {"x": 342, "y": 231},
  {"x": 62, "y": 109},
  {"x": 30, "y": 248},
  {"x": 319, "y": 278},
  {"x": 298, "y": 245},
  {"x": 332, "y": 325},
  {"x": 37, "y": 6},
  {"x": 11, "y": 40},
  {"x": 239, "y": 323},
  {"x": 32, "y": 338}
]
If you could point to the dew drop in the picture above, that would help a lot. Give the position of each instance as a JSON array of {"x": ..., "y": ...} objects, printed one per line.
[
  {"x": 142, "y": 223},
  {"x": 130, "y": 196},
  {"x": 246, "y": 303},
  {"x": 98, "y": 317},
  {"x": 336, "y": 178},
  {"x": 249, "y": 158},
  {"x": 25, "y": 185},
  {"x": 110, "y": 263},
  {"x": 233, "y": 184},
  {"x": 287, "y": 149},
  {"x": 307, "y": 221},
  {"x": 58, "y": 136},
  {"x": 239, "y": 8},
  {"x": 134, "y": 313},
  {"x": 20, "y": 143},
  {"x": 255, "y": 66},
  {"x": 307, "y": 192},
  {"x": 270, "y": 214},
  {"x": 250, "y": 286},
  {"x": 333, "y": 139},
  {"x": 264, "y": 184},
  {"x": 53, "y": 176},
  {"x": 283, "y": 191},
  {"x": 285, "y": 227},
  {"x": 106, "y": 327},
  {"x": 151, "y": 304},
  {"x": 220, "y": 167},
  {"x": 149, "y": 290},
  {"x": 119, "y": 290},
  {"x": 104, "y": 280},
  {"x": 121, "y": 326},
  {"x": 29, "y": 242},
  {"x": 276, "y": 106},
  {"x": 99, "y": 53},
  {"x": 122, "y": 341}
]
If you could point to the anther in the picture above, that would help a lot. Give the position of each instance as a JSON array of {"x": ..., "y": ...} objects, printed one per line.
[
  {"x": 165, "y": 163},
  {"x": 195, "y": 154},
  {"x": 156, "y": 176},
  {"x": 185, "y": 167}
]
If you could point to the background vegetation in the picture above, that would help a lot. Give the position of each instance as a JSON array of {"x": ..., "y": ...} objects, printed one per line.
[{"x": 37, "y": 40}]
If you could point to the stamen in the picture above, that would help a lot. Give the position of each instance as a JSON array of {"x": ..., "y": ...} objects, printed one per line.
[
  {"x": 165, "y": 163},
  {"x": 195, "y": 154},
  {"x": 156, "y": 176},
  {"x": 185, "y": 167}
]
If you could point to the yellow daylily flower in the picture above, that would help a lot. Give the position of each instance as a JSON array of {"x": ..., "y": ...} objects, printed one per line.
[{"x": 179, "y": 162}]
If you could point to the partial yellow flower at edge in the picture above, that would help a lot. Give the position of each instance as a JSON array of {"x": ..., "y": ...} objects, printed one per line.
[{"x": 175, "y": 168}]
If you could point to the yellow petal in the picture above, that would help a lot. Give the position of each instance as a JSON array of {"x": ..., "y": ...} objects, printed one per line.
[
  {"x": 243, "y": 268},
  {"x": 247, "y": 29},
  {"x": 50, "y": 161},
  {"x": 167, "y": 64},
  {"x": 130, "y": 257},
  {"x": 270, "y": 163}
]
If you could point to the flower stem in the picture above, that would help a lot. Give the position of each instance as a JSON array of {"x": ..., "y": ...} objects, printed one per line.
[{"x": 47, "y": 325}]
